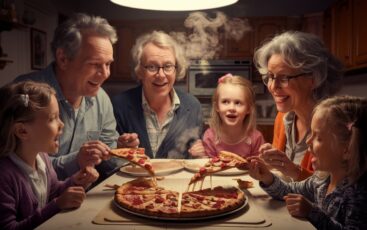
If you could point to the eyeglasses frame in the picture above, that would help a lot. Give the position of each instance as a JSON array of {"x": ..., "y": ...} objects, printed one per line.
[{"x": 288, "y": 77}]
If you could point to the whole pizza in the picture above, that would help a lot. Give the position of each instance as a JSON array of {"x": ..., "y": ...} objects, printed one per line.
[{"x": 142, "y": 196}]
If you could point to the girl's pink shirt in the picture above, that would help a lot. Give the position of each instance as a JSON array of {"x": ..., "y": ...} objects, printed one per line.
[{"x": 249, "y": 146}]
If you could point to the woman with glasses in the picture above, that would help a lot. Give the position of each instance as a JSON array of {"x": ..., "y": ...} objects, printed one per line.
[
  {"x": 163, "y": 120},
  {"x": 298, "y": 71}
]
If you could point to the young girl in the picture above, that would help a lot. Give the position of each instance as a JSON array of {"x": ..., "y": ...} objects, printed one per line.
[
  {"x": 339, "y": 199},
  {"x": 233, "y": 119},
  {"x": 30, "y": 127}
]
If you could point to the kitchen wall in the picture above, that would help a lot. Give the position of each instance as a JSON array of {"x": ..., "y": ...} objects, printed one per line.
[{"x": 16, "y": 43}]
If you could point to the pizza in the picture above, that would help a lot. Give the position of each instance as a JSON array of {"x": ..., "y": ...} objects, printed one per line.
[
  {"x": 244, "y": 184},
  {"x": 224, "y": 161},
  {"x": 142, "y": 197},
  {"x": 135, "y": 156}
]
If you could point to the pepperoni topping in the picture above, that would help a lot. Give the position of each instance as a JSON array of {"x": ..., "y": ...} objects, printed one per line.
[
  {"x": 129, "y": 157},
  {"x": 159, "y": 199},
  {"x": 148, "y": 166},
  {"x": 137, "y": 200},
  {"x": 202, "y": 170},
  {"x": 141, "y": 161},
  {"x": 150, "y": 206},
  {"x": 218, "y": 204},
  {"x": 215, "y": 159},
  {"x": 223, "y": 165}
]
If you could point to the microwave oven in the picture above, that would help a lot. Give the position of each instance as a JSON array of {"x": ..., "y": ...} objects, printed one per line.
[{"x": 203, "y": 75}]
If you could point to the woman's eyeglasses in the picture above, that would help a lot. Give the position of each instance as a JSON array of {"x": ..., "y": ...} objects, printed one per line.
[
  {"x": 167, "y": 69},
  {"x": 282, "y": 80}
]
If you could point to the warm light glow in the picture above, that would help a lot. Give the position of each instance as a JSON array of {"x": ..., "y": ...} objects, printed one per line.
[{"x": 174, "y": 5}]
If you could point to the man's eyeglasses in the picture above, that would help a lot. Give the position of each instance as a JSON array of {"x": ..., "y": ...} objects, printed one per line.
[
  {"x": 167, "y": 69},
  {"x": 283, "y": 80}
]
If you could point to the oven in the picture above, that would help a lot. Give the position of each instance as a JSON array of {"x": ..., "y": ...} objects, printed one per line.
[{"x": 203, "y": 75}]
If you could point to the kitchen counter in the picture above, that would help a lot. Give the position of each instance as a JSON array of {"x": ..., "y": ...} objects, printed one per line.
[{"x": 274, "y": 212}]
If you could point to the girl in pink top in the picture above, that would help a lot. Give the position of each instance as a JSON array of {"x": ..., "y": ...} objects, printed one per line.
[{"x": 233, "y": 119}]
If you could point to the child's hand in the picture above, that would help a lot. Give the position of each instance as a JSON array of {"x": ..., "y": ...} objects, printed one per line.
[
  {"x": 72, "y": 197},
  {"x": 86, "y": 176},
  {"x": 258, "y": 170},
  {"x": 197, "y": 149},
  {"x": 297, "y": 205}
]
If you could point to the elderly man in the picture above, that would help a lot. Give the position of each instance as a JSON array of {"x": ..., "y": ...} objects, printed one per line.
[
  {"x": 163, "y": 120},
  {"x": 82, "y": 48}
]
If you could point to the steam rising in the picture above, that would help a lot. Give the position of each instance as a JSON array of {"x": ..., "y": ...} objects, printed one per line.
[
  {"x": 181, "y": 144},
  {"x": 204, "y": 42}
]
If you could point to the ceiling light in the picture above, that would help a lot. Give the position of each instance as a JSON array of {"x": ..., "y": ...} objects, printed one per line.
[{"x": 174, "y": 5}]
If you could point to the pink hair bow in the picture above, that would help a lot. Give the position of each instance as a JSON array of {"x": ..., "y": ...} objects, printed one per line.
[{"x": 221, "y": 79}]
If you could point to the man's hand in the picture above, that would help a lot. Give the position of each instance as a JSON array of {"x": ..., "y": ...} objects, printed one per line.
[
  {"x": 128, "y": 140},
  {"x": 92, "y": 153}
]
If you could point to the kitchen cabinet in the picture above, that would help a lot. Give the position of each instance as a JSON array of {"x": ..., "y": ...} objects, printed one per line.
[
  {"x": 360, "y": 32},
  {"x": 349, "y": 34},
  {"x": 266, "y": 28}
]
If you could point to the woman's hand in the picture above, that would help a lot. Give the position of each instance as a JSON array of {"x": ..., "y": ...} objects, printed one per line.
[
  {"x": 92, "y": 153},
  {"x": 279, "y": 160},
  {"x": 197, "y": 150},
  {"x": 259, "y": 171},
  {"x": 128, "y": 140},
  {"x": 86, "y": 176},
  {"x": 298, "y": 205},
  {"x": 72, "y": 197}
]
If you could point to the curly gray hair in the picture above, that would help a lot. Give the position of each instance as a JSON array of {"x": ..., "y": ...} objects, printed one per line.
[
  {"x": 307, "y": 53},
  {"x": 68, "y": 35},
  {"x": 161, "y": 39}
]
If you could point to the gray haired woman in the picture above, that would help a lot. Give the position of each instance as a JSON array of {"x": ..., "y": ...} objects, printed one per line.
[{"x": 299, "y": 71}]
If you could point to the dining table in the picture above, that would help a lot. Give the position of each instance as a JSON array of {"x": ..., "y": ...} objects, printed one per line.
[{"x": 99, "y": 211}]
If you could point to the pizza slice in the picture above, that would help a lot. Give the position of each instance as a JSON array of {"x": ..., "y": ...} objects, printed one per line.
[
  {"x": 135, "y": 156},
  {"x": 211, "y": 201},
  {"x": 224, "y": 161},
  {"x": 141, "y": 186},
  {"x": 233, "y": 159},
  {"x": 141, "y": 195}
]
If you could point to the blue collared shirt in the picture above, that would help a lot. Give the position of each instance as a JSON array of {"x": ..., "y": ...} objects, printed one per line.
[{"x": 95, "y": 116}]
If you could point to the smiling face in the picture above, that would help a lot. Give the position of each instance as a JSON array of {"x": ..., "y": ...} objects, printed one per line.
[
  {"x": 45, "y": 130},
  {"x": 232, "y": 106},
  {"x": 297, "y": 93},
  {"x": 90, "y": 67},
  {"x": 328, "y": 152},
  {"x": 157, "y": 84}
]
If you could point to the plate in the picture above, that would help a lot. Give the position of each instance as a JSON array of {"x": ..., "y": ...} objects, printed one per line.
[
  {"x": 161, "y": 167},
  {"x": 182, "y": 218},
  {"x": 196, "y": 164}
]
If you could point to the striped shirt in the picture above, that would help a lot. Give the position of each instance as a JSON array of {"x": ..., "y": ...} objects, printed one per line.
[{"x": 156, "y": 131}]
